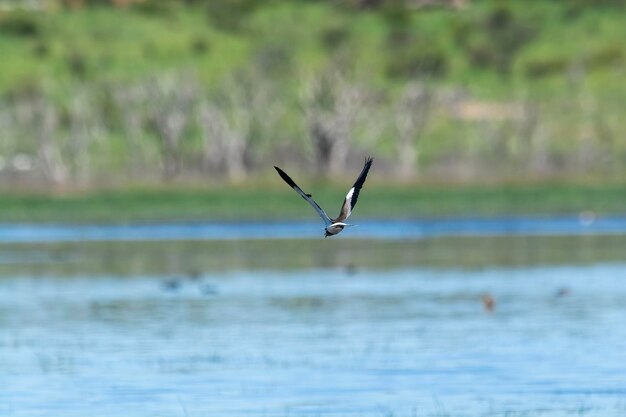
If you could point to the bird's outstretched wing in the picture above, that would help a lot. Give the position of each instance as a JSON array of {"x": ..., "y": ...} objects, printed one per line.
[
  {"x": 353, "y": 194},
  {"x": 304, "y": 195}
]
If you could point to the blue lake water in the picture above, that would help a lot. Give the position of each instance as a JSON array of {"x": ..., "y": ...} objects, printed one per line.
[
  {"x": 319, "y": 342},
  {"x": 367, "y": 340},
  {"x": 381, "y": 229}
]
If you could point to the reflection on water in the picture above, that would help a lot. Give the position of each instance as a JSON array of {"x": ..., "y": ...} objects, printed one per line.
[
  {"x": 314, "y": 328},
  {"x": 190, "y": 258}
]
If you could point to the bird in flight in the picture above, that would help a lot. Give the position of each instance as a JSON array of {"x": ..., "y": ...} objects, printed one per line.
[{"x": 336, "y": 225}]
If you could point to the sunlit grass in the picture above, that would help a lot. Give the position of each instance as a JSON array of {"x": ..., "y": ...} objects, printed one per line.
[{"x": 124, "y": 43}]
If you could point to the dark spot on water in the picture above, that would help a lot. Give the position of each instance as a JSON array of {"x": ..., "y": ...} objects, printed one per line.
[
  {"x": 208, "y": 289},
  {"x": 172, "y": 284},
  {"x": 489, "y": 303},
  {"x": 351, "y": 269},
  {"x": 562, "y": 292}
]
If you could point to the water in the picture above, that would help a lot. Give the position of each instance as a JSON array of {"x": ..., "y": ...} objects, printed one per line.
[
  {"x": 342, "y": 327},
  {"x": 586, "y": 223}
]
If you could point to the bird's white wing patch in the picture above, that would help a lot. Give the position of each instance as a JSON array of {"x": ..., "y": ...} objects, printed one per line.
[
  {"x": 349, "y": 195},
  {"x": 353, "y": 194},
  {"x": 346, "y": 210}
]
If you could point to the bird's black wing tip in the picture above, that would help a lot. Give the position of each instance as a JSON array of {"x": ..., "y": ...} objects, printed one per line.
[
  {"x": 285, "y": 177},
  {"x": 280, "y": 171}
]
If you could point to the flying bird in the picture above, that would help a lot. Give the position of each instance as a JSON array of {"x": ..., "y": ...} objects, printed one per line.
[{"x": 336, "y": 225}]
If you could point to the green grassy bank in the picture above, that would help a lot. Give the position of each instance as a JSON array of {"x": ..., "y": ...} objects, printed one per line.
[{"x": 276, "y": 202}]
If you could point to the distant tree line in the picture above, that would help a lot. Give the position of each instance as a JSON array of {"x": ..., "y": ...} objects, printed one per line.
[{"x": 170, "y": 127}]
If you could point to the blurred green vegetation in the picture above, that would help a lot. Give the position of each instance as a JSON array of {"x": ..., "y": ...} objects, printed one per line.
[
  {"x": 490, "y": 47},
  {"x": 279, "y": 202},
  {"x": 101, "y": 93}
]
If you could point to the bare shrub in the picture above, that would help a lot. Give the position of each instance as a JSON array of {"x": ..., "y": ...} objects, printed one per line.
[
  {"x": 412, "y": 111},
  {"x": 333, "y": 106}
]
